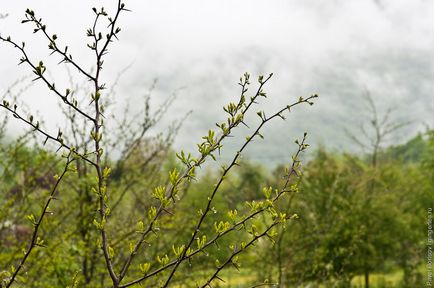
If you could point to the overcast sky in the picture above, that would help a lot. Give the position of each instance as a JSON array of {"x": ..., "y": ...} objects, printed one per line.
[{"x": 338, "y": 48}]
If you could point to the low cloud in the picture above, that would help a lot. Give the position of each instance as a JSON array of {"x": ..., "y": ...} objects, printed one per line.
[{"x": 338, "y": 49}]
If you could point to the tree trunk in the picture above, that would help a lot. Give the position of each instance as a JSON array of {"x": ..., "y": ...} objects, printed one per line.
[{"x": 366, "y": 279}]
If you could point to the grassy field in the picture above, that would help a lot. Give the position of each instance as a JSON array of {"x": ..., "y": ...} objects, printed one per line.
[
  {"x": 379, "y": 280},
  {"x": 244, "y": 279}
]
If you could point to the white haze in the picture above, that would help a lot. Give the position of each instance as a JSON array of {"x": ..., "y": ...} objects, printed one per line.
[{"x": 339, "y": 49}]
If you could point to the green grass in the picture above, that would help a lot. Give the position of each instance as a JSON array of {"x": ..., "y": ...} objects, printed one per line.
[{"x": 379, "y": 280}]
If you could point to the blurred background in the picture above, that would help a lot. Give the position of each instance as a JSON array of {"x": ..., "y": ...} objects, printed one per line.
[{"x": 199, "y": 49}]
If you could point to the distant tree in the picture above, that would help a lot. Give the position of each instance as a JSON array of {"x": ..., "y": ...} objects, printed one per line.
[{"x": 358, "y": 215}]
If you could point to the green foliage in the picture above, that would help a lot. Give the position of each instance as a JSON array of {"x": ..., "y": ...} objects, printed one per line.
[
  {"x": 354, "y": 217},
  {"x": 414, "y": 151},
  {"x": 80, "y": 217}
]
